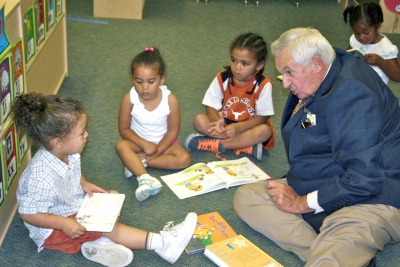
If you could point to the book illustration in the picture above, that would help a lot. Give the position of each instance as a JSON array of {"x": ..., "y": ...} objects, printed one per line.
[
  {"x": 4, "y": 42},
  {"x": 100, "y": 212},
  {"x": 239, "y": 251},
  {"x": 22, "y": 144},
  {"x": 202, "y": 178},
  {"x": 5, "y": 78},
  {"x": 356, "y": 52},
  {"x": 210, "y": 228},
  {"x": 18, "y": 69},
  {"x": 40, "y": 15},
  {"x": 30, "y": 34},
  {"x": 58, "y": 8},
  {"x": 50, "y": 14},
  {"x": 10, "y": 155},
  {"x": 2, "y": 182}
]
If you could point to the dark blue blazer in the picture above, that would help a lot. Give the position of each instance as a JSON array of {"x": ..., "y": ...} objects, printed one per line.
[{"x": 352, "y": 154}]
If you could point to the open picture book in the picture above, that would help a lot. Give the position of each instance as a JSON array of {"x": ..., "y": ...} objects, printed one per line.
[
  {"x": 203, "y": 178},
  {"x": 100, "y": 212}
]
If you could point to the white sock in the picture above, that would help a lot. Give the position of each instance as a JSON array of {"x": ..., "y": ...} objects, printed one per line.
[{"x": 154, "y": 241}]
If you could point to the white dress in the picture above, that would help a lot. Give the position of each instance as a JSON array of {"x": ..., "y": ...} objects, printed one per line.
[
  {"x": 150, "y": 125},
  {"x": 384, "y": 48}
]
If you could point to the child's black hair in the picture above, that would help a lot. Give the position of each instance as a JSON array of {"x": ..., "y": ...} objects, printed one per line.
[
  {"x": 150, "y": 57},
  {"x": 370, "y": 13},
  {"x": 47, "y": 117},
  {"x": 257, "y": 47}
]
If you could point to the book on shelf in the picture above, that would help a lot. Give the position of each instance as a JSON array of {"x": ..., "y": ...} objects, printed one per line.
[
  {"x": 203, "y": 178},
  {"x": 238, "y": 251},
  {"x": 356, "y": 52},
  {"x": 100, "y": 212},
  {"x": 210, "y": 228}
]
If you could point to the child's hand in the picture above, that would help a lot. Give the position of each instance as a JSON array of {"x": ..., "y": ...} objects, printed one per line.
[
  {"x": 150, "y": 149},
  {"x": 217, "y": 127},
  {"x": 232, "y": 130},
  {"x": 373, "y": 59},
  {"x": 90, "y": 188},
  {"x": 72, "y": 228}
]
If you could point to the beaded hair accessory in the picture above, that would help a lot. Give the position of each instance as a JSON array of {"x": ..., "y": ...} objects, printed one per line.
[{"x": 149, "y": 49}]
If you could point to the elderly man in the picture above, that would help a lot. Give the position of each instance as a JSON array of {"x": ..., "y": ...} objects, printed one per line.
[{"x": 339, "y": 202}]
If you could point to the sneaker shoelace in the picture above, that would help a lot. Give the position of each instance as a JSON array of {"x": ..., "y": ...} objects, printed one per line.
[
  {"x": 211, "y": 145},
  {"x": 169, "y": 227},
  {"x": 248, "y": 150}
]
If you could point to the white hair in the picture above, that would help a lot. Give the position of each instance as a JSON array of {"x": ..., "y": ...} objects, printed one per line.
[{"x": 304, "y": 44}]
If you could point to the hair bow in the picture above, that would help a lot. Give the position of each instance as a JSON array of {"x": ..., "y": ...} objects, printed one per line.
[{"x": 149, "y": 49}]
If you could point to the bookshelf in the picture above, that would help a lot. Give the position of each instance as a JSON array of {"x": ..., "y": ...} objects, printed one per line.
[{"x": 44, "y": 72}]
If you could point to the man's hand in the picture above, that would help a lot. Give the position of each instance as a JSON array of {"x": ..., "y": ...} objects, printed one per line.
[{"x": 287, "y": 199}]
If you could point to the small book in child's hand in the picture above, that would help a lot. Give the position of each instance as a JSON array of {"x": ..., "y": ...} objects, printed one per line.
[
  {"x": 100, "y": 212},
  {"x": 356, "y": 52},
  {"x": 202, "y": 178}
]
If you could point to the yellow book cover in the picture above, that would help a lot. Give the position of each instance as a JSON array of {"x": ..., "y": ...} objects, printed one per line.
[
  {"x": 210, "y": 228},
  {"x": 238, "y": 251}
]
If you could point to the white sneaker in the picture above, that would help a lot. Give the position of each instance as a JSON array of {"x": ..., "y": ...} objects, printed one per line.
[
  {"x": 148, "y": 186},
  {"x": 107, "y": 252},
  {"x": 177, "y": 237},
  {"x": 128, "y": 173}
]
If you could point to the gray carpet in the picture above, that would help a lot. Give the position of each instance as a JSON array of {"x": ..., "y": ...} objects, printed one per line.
[{"x": 194, "y": 41}]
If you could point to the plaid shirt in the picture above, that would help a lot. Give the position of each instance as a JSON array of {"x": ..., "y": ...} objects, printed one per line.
[{"x": 48, "y": 185}]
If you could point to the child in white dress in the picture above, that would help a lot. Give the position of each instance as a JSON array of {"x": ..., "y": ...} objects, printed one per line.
[
  {"x": 379, "y": 52},
  {"x": 149, "y": 123}
]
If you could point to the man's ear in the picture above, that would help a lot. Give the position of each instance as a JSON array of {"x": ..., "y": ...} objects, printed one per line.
[
  {"x": 56, "y": 142},
  {"x": 317, "y": 63}
]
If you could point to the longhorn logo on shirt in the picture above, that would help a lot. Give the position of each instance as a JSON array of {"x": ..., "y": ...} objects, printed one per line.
[{"x": 238, "y": 110}]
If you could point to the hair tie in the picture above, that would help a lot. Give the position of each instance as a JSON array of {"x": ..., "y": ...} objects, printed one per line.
[{"x": 149, "y": 49}]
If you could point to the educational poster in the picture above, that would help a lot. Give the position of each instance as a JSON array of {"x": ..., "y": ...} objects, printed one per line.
[
  {"x": 18, "y": 69},
  {"x": 50, "y": 14},
  {"x": 5, "y": 78},
  {"x": 4, "y": 43},
  {"x": 58, "y": 8},
  {"x": 30, "y": 34},
  {"x": 22, "y": 145},
  {"x": 40, "y": 21},
  {"x": 2, "y": 181},
  {"x": 10, "y": 154}
]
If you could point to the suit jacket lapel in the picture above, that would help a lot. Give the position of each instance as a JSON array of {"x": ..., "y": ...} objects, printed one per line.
[{"x": 287, "y": 123}]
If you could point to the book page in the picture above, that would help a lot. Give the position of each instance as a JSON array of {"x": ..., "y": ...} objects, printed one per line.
[
  {"x": 193, "y": 181},
  {"x": 237, "y": 172},
  {"x": 100, "y": 212}
]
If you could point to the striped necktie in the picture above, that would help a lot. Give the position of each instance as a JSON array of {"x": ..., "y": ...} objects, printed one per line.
[{"x": 299, "y": 106}]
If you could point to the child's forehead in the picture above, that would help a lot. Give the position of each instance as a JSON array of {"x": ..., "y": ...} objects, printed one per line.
[
  {"x": 146, "y": 68},
  {"x": 242, "y": 53},
  {"x": 146, "y": 71}
]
